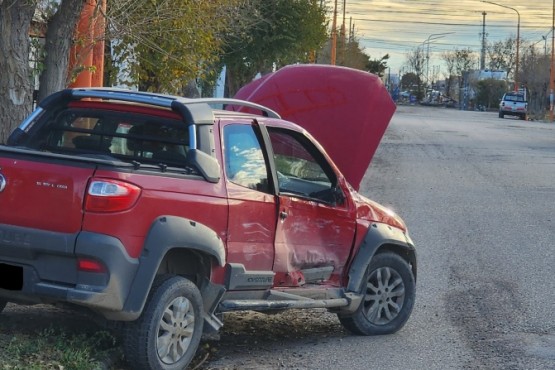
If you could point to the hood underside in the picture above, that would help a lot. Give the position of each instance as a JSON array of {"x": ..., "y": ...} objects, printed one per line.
[{"x": 346, "y": 110}]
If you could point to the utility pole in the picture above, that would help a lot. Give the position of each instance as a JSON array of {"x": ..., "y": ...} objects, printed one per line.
[
  {"x": 343, "y": 35},
  {"x": 483, "y": 54},
  {"x": 552, "y": 67},
  {"x": 334, "y": 35}
]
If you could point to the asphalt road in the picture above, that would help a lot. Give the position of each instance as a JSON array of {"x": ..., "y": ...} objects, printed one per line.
[{"x": 478, "y": 195}]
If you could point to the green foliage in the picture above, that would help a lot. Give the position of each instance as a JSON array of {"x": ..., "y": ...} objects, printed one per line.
[
  {"x": 163, "y": 44},
  {"x": 270, "y": 34},
  {"x": 489, "y": 92},
  {"x": 410, "y": 80},
  {"x": 36, "y": 56},
  {"x": 377, "y": 66}
]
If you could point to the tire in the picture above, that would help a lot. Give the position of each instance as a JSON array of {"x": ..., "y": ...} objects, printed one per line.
[
  {"x": 2, "y": 305},
  {"x": 168, "y": 332},
  {"x": 501, "y": 115},
  {"x": 523, "y": 117},
  {"x": 389, "y": 294}
]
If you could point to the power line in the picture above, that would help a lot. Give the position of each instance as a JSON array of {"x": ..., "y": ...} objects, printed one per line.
[{"x": 477, "y": 25}]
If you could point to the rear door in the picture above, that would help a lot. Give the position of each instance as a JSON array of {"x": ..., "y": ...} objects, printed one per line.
[{"x": 252, "y": 202}]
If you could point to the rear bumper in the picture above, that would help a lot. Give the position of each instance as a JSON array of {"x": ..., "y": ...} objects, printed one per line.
[
  {"x": 41, "y": 266},
  {"x": 510, "y": 112}
]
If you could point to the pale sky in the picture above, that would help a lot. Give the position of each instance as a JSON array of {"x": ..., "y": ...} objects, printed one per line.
[{"x": 395, "y": 27}]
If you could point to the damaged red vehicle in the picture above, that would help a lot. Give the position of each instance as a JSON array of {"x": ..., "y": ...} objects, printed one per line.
[{"x": 164, "y": 213}]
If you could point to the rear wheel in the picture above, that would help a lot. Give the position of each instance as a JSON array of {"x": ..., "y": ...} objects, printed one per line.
[
  {"x": 167, "y": 334},
  {"x": 389, "y": 292}
]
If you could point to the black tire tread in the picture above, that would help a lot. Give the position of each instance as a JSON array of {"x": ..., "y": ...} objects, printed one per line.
[
  {"x": 136, "y": 333},
  {"x": 357, "y": 323}
]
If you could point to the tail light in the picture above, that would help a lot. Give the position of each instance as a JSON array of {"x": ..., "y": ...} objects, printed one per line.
[
  {"x": 89, "y": 265},
  {"x": 107, "y": 195}
]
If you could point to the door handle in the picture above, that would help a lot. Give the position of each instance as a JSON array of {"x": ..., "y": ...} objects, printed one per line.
[{"x": 283, "y": 215}]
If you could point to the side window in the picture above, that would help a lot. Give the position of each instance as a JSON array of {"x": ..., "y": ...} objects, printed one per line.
[
  {"x": 244, "y": 159},
  {"x": 302, "y": 169}
]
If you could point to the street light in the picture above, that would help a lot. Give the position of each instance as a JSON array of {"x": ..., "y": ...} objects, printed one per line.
[
  {"x": 517, "y": 38},
  {"x": 432, "y": 37}
]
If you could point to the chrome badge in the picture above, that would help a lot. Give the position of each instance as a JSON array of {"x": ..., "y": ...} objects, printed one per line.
[{"x": 2, "y": 183}]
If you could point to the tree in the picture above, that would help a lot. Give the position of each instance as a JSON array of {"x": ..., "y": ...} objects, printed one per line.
[
  {"x": 16, "y": 88},
  {"x": 450, "y": 61},
  {"x": 410, "y": 81},
  {"x": 489, "y": 92},
  {"x": 502, "y": 55},
  {"x": 351, "y": 55},
  {"x": 16, "y": 91},
  {"x": 163, "y": 45},
  {"x": 378, "y": 66},
  {"x": 271, "y": 34},
  {"x": 60, "y": 22},
  {"x": 534, "y": 75},
  {"x": 416, "y": 60},
  {"x": 459, "y": 62},
  {"x": 465, "y": 60}
]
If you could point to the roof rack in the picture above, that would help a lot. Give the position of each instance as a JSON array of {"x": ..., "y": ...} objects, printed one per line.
[
  {"x": 165, "y": 100},
  {"x": 194, "y": 111},
  {"x": 236, "y": 102}
]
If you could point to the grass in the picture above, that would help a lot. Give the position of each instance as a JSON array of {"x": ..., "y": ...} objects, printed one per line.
[
  {"x": 45, "y": 337},
  {"x": 57, "y": 349}
]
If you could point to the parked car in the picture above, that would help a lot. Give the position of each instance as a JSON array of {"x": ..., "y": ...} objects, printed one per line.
[
  {"x": 513, "y": 104},
  {"x": 164, "y": 213}
]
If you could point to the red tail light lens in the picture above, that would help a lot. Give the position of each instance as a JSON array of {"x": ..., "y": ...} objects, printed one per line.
[
  {"x": 106, "y": 195},
  {"x": 88, "y": 265}
]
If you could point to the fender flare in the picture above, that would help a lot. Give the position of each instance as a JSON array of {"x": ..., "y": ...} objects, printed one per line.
[
  {"x": 166, "y": 233},
  {"x": 377, "y": 236}
]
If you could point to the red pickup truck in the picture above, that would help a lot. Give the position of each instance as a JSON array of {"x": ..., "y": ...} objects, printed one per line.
[{"x": 164, "y": 213}]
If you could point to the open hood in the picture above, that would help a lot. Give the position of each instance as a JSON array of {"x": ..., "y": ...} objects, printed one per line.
[{"x": 346, "y": 110}]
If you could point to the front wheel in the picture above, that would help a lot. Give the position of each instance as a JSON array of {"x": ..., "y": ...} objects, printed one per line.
[
  {"x": 501, "y": 115},
  {"x": 389, "y": 293},
  {"x": 167, "y": 334},
  {"x": 3, "y": 304}
]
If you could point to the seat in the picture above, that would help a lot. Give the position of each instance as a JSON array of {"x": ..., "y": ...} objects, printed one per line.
[
  {"x": 93, "y": 143},
  {"x": 142, "y": 143},
  {"x": 170, "y": 155}
]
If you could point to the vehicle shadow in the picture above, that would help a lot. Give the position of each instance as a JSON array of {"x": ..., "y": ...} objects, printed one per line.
[{"x": 252, "y": 340}]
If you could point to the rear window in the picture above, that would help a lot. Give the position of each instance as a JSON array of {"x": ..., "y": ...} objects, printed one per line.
[
  {"x": 123, "y": 135},
  {"x": 514, "y": 97}
]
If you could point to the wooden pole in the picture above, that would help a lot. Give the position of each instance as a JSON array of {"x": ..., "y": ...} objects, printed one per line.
[
  {"x": 334, "y": 35},
  {"x": 98, "y": 48}
]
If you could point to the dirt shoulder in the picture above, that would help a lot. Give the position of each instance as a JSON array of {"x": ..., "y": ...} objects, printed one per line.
[{"x": 248, "y": 340}]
